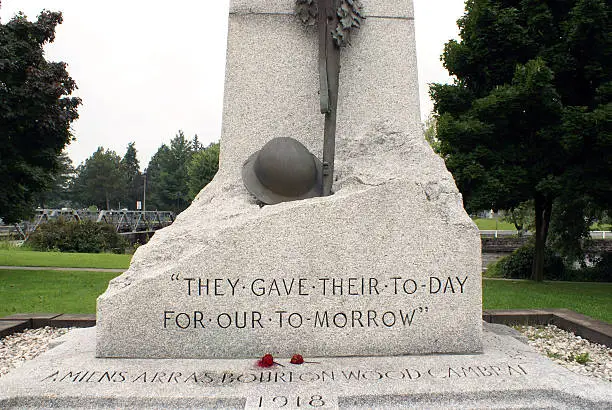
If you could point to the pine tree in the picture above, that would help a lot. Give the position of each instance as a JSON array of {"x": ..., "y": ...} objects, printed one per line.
[{"x": 132, "y": 178}]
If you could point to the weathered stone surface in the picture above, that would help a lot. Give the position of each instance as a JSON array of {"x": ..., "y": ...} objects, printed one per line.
[
  {"x": 272, "y": 84},
  {"x": 304, "y": 246},
  {"x": 508, "y": 374},
  {"x": 394, "y": 232}
]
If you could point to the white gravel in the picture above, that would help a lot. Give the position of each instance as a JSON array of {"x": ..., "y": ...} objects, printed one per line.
[
  {"x": 571, "y": 351},
  {"x": 19, "y": 347}
]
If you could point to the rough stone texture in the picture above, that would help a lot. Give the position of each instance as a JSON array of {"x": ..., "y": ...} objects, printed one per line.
[
  {"x": 405, "y": 235},
  {"x": 395, "y": 213},
  {"x": 508, "y": 374}
]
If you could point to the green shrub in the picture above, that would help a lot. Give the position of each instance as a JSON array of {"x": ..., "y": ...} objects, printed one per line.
[
  {"x": 493, "y": 270},
  {"x": 582, "y": 358},
  {"x": 518, "y": 266},
  {"x": 601, "y": 271},
  {"x": 83, "y": 237},
  {"x": 9, "y": 245},
  {"x": 519, "y": 263}
]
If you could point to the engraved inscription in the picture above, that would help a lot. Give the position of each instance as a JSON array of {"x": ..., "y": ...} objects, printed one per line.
[
  {"x": 306, "y": 401},
  {"x": 292, "y": 320},
  {"x": 324, "y": 286},
  {"x": 288, "y": 376},
  {"x": 403, "y": 289}
]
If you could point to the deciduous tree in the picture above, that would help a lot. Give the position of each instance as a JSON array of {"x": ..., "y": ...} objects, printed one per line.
[
  {"x": 430, "y": 131},
  {"x": 57, "y": 194},
  {"x": 528, "y": 116},
  {"x": 36, "y": 111},
  {"x": 202, "y": 168},
  {"x": 99, "y": 180}
]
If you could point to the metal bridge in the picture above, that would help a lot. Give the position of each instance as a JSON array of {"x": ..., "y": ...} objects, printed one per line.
[{"x": 125, "y": 222}]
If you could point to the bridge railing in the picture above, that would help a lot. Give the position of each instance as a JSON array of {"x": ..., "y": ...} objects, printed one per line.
[
  {"x": 124, "y": 221},
  {"x": 601, "y": 234},
  {"x": 136, "y": 221},
  {"x": 498, "y": 233},
  {"x": 501, "y": 234}
]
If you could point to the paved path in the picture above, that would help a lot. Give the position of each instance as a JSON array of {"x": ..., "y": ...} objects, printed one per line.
[{"x": 64, "y": 269}]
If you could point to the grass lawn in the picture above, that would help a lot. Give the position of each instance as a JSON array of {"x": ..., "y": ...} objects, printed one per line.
[
  {"x": 51, "y": 291},
  {"x": 17, "y": 257},
  {"x": 591, "y": 299},
  {"x": 493, "y": 225}
]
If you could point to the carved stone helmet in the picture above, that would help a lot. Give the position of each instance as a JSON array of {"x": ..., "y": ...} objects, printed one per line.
[{"x": 283, "y": 170}]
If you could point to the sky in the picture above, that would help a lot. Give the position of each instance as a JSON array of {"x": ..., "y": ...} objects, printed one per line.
[{"x": 145, "y": 69}]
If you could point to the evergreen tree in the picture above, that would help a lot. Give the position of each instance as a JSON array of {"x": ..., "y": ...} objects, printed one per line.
[
  {"x": 196, "y": 145},
  {"x": 154, "y": 170},
  {"x": 132, "y": 178},
  {"x": 167, "y": 178}
]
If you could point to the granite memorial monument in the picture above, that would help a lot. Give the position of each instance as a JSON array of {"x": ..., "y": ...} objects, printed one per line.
[{"x": 369, "y": 267}]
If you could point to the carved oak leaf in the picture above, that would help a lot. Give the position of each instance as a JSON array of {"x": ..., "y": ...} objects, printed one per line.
[
  {"x": 349, "y": 16},
  {"x": 307, "y": 11}
]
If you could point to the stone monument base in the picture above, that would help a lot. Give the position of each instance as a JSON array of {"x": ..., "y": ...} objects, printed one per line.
[{"x": 508, "y": 374}]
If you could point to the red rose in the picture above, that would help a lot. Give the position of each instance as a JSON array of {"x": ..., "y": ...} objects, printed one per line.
[
  {"x": 266, "y": 361},
  {"x": 297, "y": 359}
]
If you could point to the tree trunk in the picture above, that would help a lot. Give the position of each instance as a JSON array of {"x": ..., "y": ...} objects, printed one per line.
[
  {"x": 543, "y": 208},
  {"x": 107, "y": 201}
]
